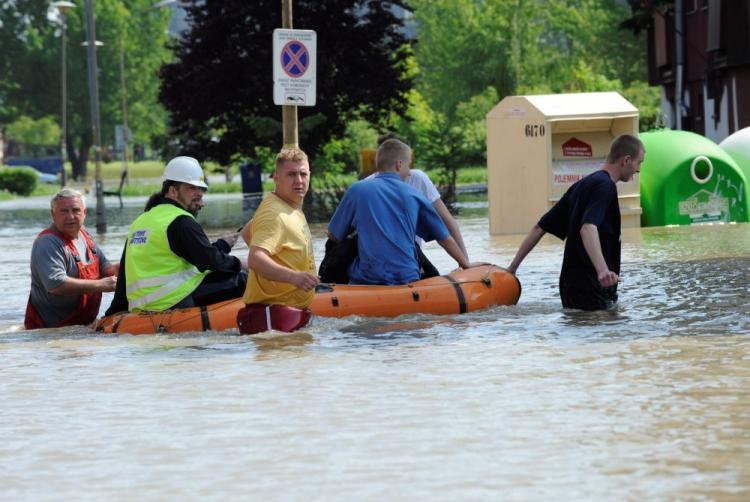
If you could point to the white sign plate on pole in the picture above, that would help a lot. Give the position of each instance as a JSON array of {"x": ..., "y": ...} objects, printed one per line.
[{"x": 294, "y": 58}]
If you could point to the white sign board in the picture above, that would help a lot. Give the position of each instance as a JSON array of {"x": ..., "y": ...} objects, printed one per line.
[
  {"x": 119, "y": 145},
  {"x": 294, "y": 67}
]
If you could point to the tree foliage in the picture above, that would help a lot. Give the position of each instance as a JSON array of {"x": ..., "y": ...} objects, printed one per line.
[
  {"x": 219, "y": 89},
  {"x": 340, "y": 155},
  {"x": 463, "y": 47},
  {"x": 19, "y": 180},
  {"x": 30, "y": 69},
  {"x": 642, "y": 12},
  {"x": 558, "y": 37},
  {"x": 470, "y": 54},
  {"x": 647, "y": 99},
  {"x": 44, "y": 131},
  {"x": 519, "y": 45}
]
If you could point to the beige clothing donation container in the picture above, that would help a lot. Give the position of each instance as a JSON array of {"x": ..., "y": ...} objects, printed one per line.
[{"x": 538, "y": 146}]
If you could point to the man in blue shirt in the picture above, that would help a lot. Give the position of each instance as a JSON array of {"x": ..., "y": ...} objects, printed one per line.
[{"x": 387, "y": 215}]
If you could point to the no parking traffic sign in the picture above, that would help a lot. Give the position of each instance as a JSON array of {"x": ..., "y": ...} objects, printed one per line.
[{"x": 294, "y": 67}]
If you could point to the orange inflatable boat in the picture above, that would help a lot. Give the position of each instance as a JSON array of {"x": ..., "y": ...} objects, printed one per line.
[{"x": 456, "y": 293}]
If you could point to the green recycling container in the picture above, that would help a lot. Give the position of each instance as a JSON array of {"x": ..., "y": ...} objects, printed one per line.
[{"x": 686, "y": 179}]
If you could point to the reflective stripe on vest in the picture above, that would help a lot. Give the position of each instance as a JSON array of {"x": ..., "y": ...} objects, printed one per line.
[
  {"x": 156, "y": 278},
  {"x": 167, "y": 284}
]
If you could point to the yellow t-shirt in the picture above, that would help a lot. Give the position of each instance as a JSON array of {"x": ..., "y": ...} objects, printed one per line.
[{"x": 281, "y": 230}]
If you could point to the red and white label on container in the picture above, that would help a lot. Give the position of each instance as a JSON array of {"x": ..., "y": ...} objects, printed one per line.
[
  {"x": 574, "y": 147},
  {"x": 567, "y": 172}
]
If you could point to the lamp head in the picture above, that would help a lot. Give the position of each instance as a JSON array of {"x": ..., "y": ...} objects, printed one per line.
[{"x": 63, "y": 6}]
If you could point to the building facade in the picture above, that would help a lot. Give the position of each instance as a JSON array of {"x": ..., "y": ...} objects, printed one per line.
[{"x": 699, "y": 53}]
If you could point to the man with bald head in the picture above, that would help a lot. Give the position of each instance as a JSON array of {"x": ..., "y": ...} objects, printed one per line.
[{"x": 387, "y": 215}]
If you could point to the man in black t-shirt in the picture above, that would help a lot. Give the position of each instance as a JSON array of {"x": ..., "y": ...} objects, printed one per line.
[{"x": 587, "y": 218}]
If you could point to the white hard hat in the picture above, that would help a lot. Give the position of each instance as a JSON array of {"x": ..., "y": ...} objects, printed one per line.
[{"x": 185, "y": 170}]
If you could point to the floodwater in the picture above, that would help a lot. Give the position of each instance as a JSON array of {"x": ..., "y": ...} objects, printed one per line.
[{"x": 530, "y": 402}]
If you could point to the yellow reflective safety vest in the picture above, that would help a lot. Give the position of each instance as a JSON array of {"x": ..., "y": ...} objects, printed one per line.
[{"x": 156, "y": 277}]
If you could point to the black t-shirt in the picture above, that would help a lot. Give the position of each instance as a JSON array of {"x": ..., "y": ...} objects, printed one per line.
[{"x": 592, "y": 199}]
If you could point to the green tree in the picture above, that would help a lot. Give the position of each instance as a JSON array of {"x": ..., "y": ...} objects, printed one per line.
[
  {"x": 647, "y": 100},
  {"x": 30, "y": 68},
  {"x": 342, "y": 154},
  {"x": 442, "y": 144},
  {"x": 44, "y": 131},
  {"x": 470, "y": 54},
  {"x": 471, "y": 126},
  {"x": 463, "y": 47},
  {"x": 219, "y": 88},
  {"x": 558, "y": 37}
]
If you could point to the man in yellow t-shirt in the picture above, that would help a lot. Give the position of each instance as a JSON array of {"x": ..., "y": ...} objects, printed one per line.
[{"x": 281, "y": 261}]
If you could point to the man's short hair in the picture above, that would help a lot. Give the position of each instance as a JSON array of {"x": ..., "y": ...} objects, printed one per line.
[
  {"x": 390, "y": 152},
  {"x": 290, "y": 154},
  {"x": 623, "y": 145},
  {"x": 66, "y": 193}
]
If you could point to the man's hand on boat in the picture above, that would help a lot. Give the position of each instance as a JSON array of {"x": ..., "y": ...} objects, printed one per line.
[
  {"x": 304, "y": 280},
  {"x": 473, "y": 264}
]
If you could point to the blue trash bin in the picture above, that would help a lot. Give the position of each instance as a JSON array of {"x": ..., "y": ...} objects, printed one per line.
[{"x": 250, "y": 177}]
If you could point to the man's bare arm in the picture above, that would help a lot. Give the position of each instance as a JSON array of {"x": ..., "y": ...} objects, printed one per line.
[
  {"x": 529, "y": 242},
  {"x": 247, "y": 232},
  {"x": 452, "y": 225},
  {"x": 454, "y": 251},
  {"x": 74, "y": 287}
]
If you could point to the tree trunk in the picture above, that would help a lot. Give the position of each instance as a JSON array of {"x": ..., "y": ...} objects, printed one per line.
[{"x": 79, "y": 158}]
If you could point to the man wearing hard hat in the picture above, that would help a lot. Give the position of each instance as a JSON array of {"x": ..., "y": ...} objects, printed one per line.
[{"x": 168, "y": 261}]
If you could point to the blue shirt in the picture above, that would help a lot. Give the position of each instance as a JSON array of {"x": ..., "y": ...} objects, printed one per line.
[{"x": 387, "y": 215}]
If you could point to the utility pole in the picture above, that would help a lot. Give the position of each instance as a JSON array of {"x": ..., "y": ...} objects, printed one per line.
[
  {"x": 101, "y": 216},
  {"x": 63, "y": 6},
  {"x": 124, "y": 96},
  {"x": 288, "y": 113}
]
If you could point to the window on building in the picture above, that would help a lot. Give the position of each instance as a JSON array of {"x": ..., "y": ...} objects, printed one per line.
[
  {"x": 714, "y": 26},
  {"x": 661, "y": 57}
]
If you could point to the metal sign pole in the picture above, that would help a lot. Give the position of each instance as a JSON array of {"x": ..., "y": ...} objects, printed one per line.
[{"x": 288, "y": 112}]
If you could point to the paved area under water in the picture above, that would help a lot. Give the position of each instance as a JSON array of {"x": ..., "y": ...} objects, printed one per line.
[{"x": 531, "y": 402}]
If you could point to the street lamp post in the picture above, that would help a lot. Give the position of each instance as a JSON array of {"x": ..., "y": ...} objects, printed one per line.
[
  {"x": 63, "y": 6},
  {"x": 101, "y": 217}
]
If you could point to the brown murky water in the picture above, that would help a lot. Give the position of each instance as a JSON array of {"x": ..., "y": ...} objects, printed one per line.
[{"x": 648, "y": 402}]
